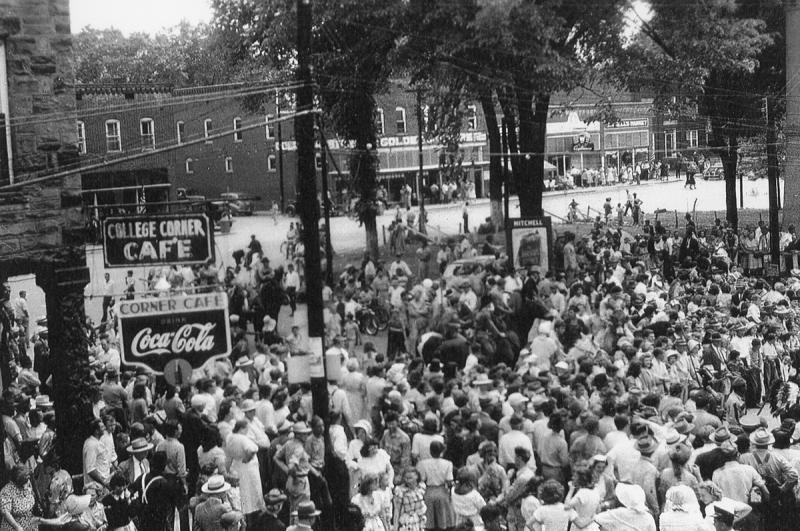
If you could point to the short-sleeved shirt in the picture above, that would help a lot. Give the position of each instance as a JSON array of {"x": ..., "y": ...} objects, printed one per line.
[
  {"x": 95, "y": 457},
  {"x": 736, "y": 480},
  {"x": 435, "y": 472}
]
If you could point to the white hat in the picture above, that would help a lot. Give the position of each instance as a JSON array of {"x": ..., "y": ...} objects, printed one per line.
[
  {"x": 631, "y": 496},
  {"x": 216, "y": 484}
]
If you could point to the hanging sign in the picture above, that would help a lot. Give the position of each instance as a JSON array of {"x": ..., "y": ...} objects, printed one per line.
[
  {"x": 530, "y": 243},
  {"x": 184, "y": 239},
  {"x": 155, "y": 331}
]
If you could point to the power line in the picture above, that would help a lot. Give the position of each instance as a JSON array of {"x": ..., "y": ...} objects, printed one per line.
[{"x": 37, "y": 178}]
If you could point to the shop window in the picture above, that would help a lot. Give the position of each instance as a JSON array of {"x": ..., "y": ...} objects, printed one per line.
[
  {"x": 180, "y": 131},
  {"x": 692, "y": 138},
  {"x": 270, "y": 128},
  {"x": 380, "y": 124}
]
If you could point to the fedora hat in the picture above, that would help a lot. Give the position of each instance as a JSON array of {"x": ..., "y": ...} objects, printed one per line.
[
  {"x": 762, "y": 437},
  {"x": 722, "y": 435},
  {"x": 244, "y": 361},
  {"x": 673, "y": 437},
  {"x": 139, "y": 444},
  {"x": 274, "y": 496},
  {"x": 749, "y": 423},
  {"x": 247, "y": 405},
  {"x": 216, "y": 484},
  {"x": 300, "y": 427},
  {"x": 43, "y": 401},
  {"x": 307, "y": 509},
  {"x": 646, "y": 445}
]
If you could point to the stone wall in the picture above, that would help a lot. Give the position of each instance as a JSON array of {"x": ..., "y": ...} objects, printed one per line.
[{"x": 42, "y": 113}]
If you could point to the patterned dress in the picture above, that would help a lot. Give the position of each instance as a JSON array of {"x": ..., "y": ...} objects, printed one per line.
[
  {"x": 410, "y": 507},
  {"x": 19, "y": 502}
]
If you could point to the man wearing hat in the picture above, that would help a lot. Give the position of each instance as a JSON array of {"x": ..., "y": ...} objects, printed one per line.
[
  {"x": 244, "y": 376},
  {"x": 137, "y": 463},
  {"x": 269, "y": 520},
  {"x": 723, "y": 517},
  {"x": 778, "y": 473},
  {"x": 517, "y": 403},
  {"x": 307, "y": 514},
  {"x": 294, "y": 449},
  {"x": 715, "y": 458},
  {"x": 214, "y": 512},
  {"x": 645, "y": 474}
]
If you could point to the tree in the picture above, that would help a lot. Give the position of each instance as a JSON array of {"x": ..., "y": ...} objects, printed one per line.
[
  {"x": 716, "y": 59},
  {"x": 352, "y": 58},
  {"x": 182, "y": 56},
  {"x": 515, "y": 54}
]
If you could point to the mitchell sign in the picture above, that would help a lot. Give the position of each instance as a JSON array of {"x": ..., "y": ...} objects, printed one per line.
[
  {"x": 154, "y": 331},
  {"x": 185, "y": 238}
]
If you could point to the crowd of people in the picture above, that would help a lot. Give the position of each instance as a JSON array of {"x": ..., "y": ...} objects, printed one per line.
[{"x": 618, "y": 391}]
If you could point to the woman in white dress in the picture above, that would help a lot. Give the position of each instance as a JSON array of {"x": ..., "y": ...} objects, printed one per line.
[{"x": 241, "y": 452}]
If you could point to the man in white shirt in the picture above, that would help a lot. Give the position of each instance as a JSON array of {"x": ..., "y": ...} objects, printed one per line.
[
  {"x": 512, "y": 440},
  {"x": 108, "y": 296},
  {"x": 21, "y": 315},
  {"x": 399, "y": 268},
  {"x": 108, "y": 357},
  {"x": 469, "y": 298},
  {"x": 396, "y": 294},
  {"x": 291, "y": 283}
]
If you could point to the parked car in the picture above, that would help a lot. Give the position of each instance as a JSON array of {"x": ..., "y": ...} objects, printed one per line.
[
  {"x": 712, "y": 169},
  {"x": 239, "y": 203},
  {"x": 457, "y": 272}
]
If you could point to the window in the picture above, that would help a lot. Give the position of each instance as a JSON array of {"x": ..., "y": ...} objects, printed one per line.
[
  {"x": 669, "y": 142},
  {"x": 472, "y": 117},
  {"x": 237, "y": 126},
  {"x": 270, "y": 127},
  {"x": 147, "y": 133},
  {"x": 81, "y": 138},
  {"x": 190, "y": 165},
  {"x": 318, "y": 161},
  {"x": 692, "y": 137},
  {"x": 426, "y": 118},
  {"x": 208, "y": 127},
  {"x": 271, "y": 163},
  {"x": 228, "y": 164},
  {"x": 400, "y": 120},
  {"x": 379, "y": 122},
  {"x": 180, "y": 131},
  {"x": 113, "y": 138}
]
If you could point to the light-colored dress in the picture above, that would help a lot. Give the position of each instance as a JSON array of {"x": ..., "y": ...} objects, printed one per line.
[
  {"x": 372, "y": 510},
  {"x": 585, "y": 503},
  {"x": 353, "y": 384},
  {"x": 467, "y": 507},
  {"x": 249, "y": 476}
]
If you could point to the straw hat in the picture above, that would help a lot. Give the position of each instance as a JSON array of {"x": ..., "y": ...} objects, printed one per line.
[{"x": 216, "y": 484}]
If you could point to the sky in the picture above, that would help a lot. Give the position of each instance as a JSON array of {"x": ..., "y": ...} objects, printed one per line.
[{"x": 148, "y": 16}]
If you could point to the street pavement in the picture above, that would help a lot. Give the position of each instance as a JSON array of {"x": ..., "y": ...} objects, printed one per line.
[{"x": 348, "y": 235}]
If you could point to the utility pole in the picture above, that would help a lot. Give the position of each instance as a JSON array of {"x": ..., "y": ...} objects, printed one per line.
[
  {"x": 307, "y": 205},
  {"x": 772, "y": 177},
  {"x": 323, "y": 144},
  {"x": 504, "y": 143},
  {"x": 421, "y": 180},
  {"x": 279, "y": 142}
]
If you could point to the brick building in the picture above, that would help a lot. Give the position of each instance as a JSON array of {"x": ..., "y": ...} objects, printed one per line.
[
  {"x": 41, "y": 223},
  {"x": 120, "y": 120}
]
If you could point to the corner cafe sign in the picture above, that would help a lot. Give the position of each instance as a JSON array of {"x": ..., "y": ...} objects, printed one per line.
[
  {"x": 184, "y": 238},
  {"x": 154, "y": 331}
]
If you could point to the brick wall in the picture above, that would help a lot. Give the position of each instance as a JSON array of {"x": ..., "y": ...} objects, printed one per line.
[{"x": 38, "y": 48}]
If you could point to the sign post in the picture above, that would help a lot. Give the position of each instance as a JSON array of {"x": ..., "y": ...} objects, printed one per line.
[
  {"x": 185, "y": 238},
  {"x": 156, "y": 331},
  {"x": 530, "y": 243}
]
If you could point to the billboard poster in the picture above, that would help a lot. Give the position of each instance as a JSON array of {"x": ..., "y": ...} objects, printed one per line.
[
  {"x": 183, "y": 239},
  {"x": 530, "y": 243},
  {"x": 154, "y": 331}
]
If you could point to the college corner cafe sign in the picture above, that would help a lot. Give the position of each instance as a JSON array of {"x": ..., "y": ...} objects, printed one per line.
[
  {"x": 154, "y": 331},
  {"x": 184, "y": 238}
]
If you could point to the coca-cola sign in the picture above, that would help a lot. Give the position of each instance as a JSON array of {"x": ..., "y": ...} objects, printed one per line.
[{"x": 155, "y": 330}]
